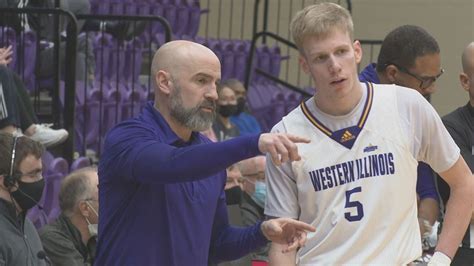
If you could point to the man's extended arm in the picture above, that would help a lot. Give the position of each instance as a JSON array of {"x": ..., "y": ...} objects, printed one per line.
[{"x": 459, "y": 208}]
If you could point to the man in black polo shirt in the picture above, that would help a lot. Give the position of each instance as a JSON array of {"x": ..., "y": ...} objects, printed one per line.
[{"x": 460, "y": 124}]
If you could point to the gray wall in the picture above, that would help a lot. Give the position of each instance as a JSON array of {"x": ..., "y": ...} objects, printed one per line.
[{"x": 451, "y": 22}]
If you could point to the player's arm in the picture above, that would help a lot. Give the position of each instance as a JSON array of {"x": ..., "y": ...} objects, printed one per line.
[
  {"x": 281, "y": 200},
  {"x": 277, "y": 258},
  {"x": 433, "y": 144},
  {"x": 463, "y": 143},
  {"x": 459, "y": 207},
  {"x": 428, "y": 208}
]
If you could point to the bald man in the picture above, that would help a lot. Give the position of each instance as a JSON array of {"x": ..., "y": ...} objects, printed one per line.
[
  {"x": 71, "y": 239},
  {"x": 161, "y": 182},
  {"x": 460, "y": 124}
]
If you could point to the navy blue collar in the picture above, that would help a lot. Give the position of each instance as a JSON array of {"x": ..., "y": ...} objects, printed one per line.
[
  {"x": 369, "y": 73},
  {"x": 168, "y": 135}
]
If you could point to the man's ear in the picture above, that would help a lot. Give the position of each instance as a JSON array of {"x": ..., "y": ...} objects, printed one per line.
[
  {"x": 84, "y": 209},
  {"x": 2, "y": 185},
  {"x": 391, "y": 73},
  {"x": 465, "y": 81},
  {"x": 357, "y": 51},
  {"x": 163, "y": 81},
  {"x": 304, "y": 64}
]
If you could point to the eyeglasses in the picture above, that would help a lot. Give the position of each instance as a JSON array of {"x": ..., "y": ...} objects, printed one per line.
[{"x": 425, "y": 82}]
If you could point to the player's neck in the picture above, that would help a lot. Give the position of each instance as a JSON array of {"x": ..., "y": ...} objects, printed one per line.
[{"x": 339, "y": 106}]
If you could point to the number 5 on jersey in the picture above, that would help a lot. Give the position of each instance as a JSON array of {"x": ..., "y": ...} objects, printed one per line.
[{"x": 353, "y": 215}]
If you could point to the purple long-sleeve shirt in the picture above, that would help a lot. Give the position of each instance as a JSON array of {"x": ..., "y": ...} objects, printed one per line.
[{"x": 162, "y": 200}]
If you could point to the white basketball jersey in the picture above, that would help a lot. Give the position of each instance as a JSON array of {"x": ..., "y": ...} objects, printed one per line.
[{"x": 356, "y": 186}]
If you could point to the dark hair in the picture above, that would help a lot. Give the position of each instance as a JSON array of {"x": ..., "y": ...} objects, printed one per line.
[
  {"x": 24, "y": 147},
  {"x": 403, "y": 45},
  {"x": 232, "y": 83}
]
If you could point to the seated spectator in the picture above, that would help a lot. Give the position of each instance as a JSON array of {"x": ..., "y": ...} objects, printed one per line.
[
  {"x": 226, "y": 106},
  {"x": 71, "y": 239},
  {"x": 16, "y": 111},
  {"x": 245, "y": 122},
  {"x": 253, "y": 200},
  {"x": 21, "y": 187}
]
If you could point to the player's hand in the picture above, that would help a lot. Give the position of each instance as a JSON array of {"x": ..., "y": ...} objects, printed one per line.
[
  {"x": 287, "y": 232},
  {"x": 282, "y": 147},
  {"x": 5, "y": 55},
  {"x": 439, "y": 259}
]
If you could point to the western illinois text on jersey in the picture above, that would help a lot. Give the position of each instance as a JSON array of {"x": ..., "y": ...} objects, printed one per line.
[{"x": 351, "y": 171}]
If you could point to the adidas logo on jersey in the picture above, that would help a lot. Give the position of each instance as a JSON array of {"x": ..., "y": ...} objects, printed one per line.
[
  {"x": 347, "y": 136},
  {"x": 370, "y": 148}
]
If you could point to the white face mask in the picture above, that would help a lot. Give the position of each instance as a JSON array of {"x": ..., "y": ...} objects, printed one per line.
[{"x": 93, "y": 228}]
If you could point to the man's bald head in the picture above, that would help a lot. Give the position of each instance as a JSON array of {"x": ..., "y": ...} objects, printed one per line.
[
  {"x": 252, "y": 166},
  {"x": 173, "y": 56},
  {"x": 468, "y": 59}
]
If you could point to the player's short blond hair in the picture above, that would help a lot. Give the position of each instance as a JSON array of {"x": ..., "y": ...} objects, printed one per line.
[{"x": 319, "y": 20}]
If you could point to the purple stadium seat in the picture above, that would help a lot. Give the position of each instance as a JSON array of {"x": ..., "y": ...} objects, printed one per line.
[
  {"x": 56, "y": 171},
  {"x": 275, "y": 60},
  {"x": 58, "y": 166},
  {"x": 79, "y": 163},
  {"x": 241, "y": 53},
  {"x": 46, "y": 159},
  {"x": 112, "y": 109},
  {"x": 130, "y": 8},
  {"x": 228, "y": 60},
  {"x": 102, "y": 46},
  {"x": 183, "y": 14},
  {"x": 37, "y": 216},
  {"x": 87, "y": 117},
  {"x": 102, "y": 7},
  {"x": 263, "y": 61},
  {"x": 117, "y": 59},
  {"x": 195, "y": 13},
  {"x": 51, "y": 192},
  {"x": 116, "y": 7},
  {"x": 157, "y": 30},
  {"x": 134, "y": 100},
  {"x": 133, "y": 60},
  {"x": 293, "y": 99}
]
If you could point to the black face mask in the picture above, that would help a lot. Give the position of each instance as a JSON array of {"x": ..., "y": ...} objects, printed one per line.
[
  {"x": 227, "y": 110},
  {"x": 28, "y": 194},
  {"x": 240, "y": 105},
  {"x": 233, "y": 195}
]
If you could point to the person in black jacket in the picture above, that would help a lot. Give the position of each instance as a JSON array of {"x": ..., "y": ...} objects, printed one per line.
[
  {"x": 21, "y": 188},
  {"x": 460, "y": 124}
]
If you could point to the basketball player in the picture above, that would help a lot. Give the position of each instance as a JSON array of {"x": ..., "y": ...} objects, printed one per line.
[{"x": 356, "y": 180}]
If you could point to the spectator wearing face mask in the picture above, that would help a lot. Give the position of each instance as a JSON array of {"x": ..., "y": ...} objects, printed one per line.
[
  {"x": 242, "y": 119},
  {"x": 72, "y": 238},
  {"x": 226, "y": 106},
  {"x": 253, "y": 200},
  {"x": 21, "y": 187}
]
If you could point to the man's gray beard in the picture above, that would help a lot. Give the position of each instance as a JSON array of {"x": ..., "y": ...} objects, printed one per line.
[{"x": 193, "y": 118}]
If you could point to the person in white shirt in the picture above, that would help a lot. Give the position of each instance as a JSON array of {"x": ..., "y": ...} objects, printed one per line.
[{"x": 357, "y": 177}]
